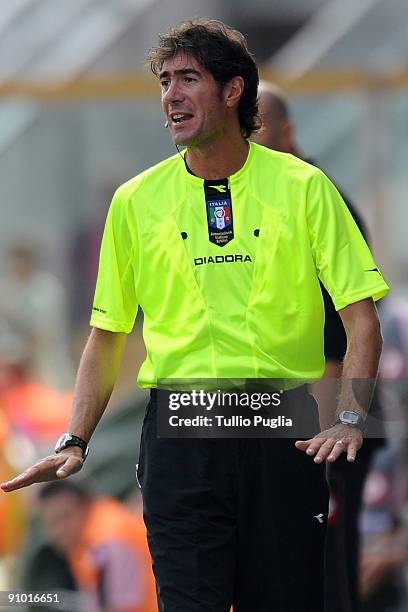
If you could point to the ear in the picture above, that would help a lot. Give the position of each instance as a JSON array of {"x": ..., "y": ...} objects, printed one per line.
[{"x": 233, "y": 91}]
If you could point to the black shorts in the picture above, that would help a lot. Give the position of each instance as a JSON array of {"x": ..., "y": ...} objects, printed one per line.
[{"x": 237, "y": 522}]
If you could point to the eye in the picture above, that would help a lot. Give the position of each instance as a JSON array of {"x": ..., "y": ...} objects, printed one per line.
[
  {"x": 164, "y": 84},
  {"x": 189, "y": 79}
]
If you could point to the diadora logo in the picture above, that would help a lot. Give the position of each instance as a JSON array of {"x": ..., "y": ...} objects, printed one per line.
[
  {"x": 220, "y": 188},
  {"x": 199, "y": 261},
  {"x": 319, "y": 517}
]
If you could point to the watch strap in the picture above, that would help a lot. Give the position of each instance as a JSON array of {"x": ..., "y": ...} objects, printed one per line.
[{"x": 72, "y": 440}]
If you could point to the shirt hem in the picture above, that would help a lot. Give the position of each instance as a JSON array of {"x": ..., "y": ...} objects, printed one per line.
[
  {"x": 376, "y": 292},
  {"x": 110, "y": 325}
]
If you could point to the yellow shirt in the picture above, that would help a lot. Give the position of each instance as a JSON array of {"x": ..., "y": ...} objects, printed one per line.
[{"x": 250, "y": 307}]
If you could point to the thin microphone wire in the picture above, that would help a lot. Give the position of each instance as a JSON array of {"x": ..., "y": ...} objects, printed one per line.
[
  {"x": 179, "y": 152},
  {"x": 166, "y": 125}
]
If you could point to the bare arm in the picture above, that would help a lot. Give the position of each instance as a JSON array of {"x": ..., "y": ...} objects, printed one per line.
[
  {"x": 97, "y": 372},
  {"x": 360, "y": 368},
  {"x": 364, "y": 345},
  {"x": 326, "y": 391},
  {"x": 96, "y": 377}
]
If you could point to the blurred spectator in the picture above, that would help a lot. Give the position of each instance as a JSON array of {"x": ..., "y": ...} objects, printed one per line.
[
  {"x": 33, "y": 409},
  {"x": 105, "y": 545},
  {"x": 345, "y": 479},
  {"x": 33, "y": 318},
  {"x": 12, "y": 518},
  {"x": 86, "y": 243},
  {"x": 394, "y": 359},
  {"x": 384, "y": 578},
  {"x": 83, "y": 263},
  {"x": 31, "y": 416},
  {"x": 383, "y": 584},
  {"x": 384, "y": 570}
]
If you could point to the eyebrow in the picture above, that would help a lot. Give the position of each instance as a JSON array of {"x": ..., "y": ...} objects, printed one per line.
[{"x": 181, "y": 71}]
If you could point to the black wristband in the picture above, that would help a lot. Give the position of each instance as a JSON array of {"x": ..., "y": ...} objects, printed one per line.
[{"x": 67, "y": 440}]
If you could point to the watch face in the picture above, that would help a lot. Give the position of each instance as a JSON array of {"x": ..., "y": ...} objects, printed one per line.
[
  {"x": 349, "y": 417},
  {"x": 62, "y": 441}
]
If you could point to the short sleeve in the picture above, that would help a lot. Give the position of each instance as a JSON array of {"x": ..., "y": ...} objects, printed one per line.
[
  {"x": 342, "y": 258},
  {"x": 115, "y": 304}
]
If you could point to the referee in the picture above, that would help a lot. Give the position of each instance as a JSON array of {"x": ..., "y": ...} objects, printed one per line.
[{"x": 223, "y": 247}]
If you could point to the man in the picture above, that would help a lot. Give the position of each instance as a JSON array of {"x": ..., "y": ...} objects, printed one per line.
[
  {"x": 204, "y": 242},
  {"x": 346, "y": 480},
  {"x": 104, "y": 544},
  {"x": 43, "y": 336}
]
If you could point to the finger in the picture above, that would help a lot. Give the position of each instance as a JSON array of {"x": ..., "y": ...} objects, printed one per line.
[
  {"x": 352, "y": 449},
  {"x": 42, "y": 471},
  {"x": 338, "y": 448},
  {"x": 324, "y": 450},
  {"x": 70, "y": 466},
  {"x": 20, "y": 481},
  {"x": 303, "y": 444},
  {"x": 315, "y": 445},
  {"x": 10, "y": 485}
]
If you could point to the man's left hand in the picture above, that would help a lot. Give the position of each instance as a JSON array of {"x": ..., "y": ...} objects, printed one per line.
[{"x": 331, "y": 443}]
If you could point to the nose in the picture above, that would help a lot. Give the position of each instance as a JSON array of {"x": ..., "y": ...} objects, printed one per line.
[{"x": 173, "y": 93}]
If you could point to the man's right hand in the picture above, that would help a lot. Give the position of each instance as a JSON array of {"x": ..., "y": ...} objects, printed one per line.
[{"x": 67, "y": 462}]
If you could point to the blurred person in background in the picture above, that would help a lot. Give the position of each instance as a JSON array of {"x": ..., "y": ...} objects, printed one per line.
[
  {"x": 34, "y": 317},
  {"x": 12, "y": 515},
  {"x": 384, "y": 564},
  {"x": 84, "y": 250},
  {"x": 210, "y": 545},
  {"x": 346, "y": 479},
  {"x": 105, "y": 545},
  {"x": 31, "y": 415},
  {"x": 35, "y": 410},
  {"x": 384, "y": 571}
]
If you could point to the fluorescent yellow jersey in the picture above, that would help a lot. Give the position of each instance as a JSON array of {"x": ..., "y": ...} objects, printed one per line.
[{"x": 227, "y": 272}]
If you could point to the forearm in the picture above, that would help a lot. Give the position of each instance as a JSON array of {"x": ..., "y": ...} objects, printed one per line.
[
  {"x": 326, "y": 392},
  {"x": 359, "y": 374},
  {"x": 360, "y": 367},
  {"x": 349, "y": 385},
  {"x": 95, "y": 380}
]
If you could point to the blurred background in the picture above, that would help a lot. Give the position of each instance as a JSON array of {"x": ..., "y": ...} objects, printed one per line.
[{"x": 79, "y": 115}]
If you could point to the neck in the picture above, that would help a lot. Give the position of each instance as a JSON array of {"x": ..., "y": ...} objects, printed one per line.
[{"x": 218, "y": 159}]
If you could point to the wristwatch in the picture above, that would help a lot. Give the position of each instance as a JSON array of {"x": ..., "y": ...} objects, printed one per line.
[
  {"x": 67, "y": 440},
  {"x": 350, "y": 417}
]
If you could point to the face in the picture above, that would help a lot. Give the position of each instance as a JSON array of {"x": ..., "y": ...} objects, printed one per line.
[
  {"x": 63, "y": 517},
  {"x": 274, "y": 133},
  {"x": 195, "y": 108},
  {"x": 21, "y": 265}
]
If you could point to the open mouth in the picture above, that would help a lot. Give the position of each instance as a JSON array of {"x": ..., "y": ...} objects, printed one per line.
[{"x": 180, "y": 118}]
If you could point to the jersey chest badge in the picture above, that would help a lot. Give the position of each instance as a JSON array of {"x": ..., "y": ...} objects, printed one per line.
[{"x": 219, "y": 211}]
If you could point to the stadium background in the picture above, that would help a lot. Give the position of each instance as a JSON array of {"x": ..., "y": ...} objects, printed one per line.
[{"x": 79, "y": 115}]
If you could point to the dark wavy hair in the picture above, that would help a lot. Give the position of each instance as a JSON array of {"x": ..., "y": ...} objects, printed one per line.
[{"x": 222, "y": 51}]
